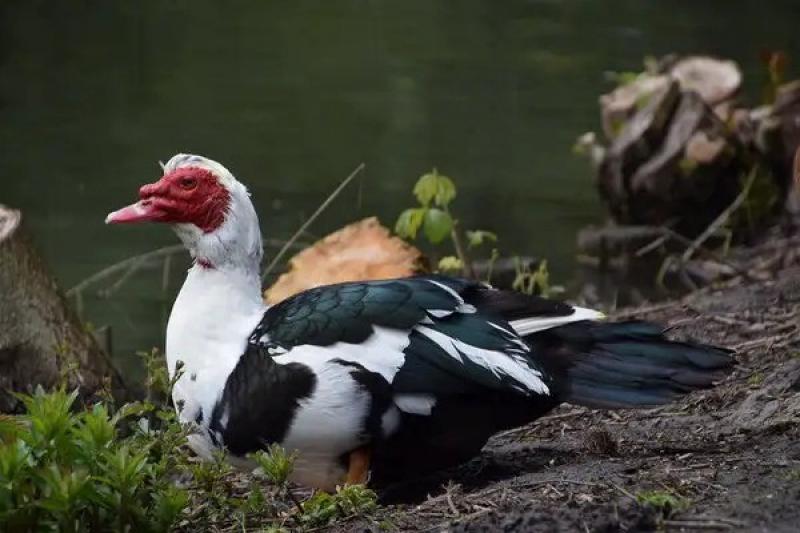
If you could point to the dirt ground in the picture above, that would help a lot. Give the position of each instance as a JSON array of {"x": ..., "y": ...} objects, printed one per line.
[{"x": 729, "y": 456}]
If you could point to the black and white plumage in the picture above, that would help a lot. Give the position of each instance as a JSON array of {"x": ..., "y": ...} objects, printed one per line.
[{"x": 422, "y": 371}]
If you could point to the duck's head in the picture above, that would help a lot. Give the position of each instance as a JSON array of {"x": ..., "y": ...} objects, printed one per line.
[{"x": 206, "y": 206}]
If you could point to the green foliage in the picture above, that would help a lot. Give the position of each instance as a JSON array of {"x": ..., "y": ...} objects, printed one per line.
[
  {"x": 433, "y": 187},
  {"x": 437, "y": 225},
  {"x": 409, "y": 222},
  {"x": 450, "y": 263},
  {"x": 71, "y": 471},
  {"x": 157, "y": 382},
  {"x": 66, "y": 467},
  {"x": 534, "y": 282},
  {"x": 434, "y": 193},
  {"x": 663, "y": 501},
  {"x": 275, "y": 463},
  {"x": 479, "y": 237},
  {"x": 351, "y": 500}
]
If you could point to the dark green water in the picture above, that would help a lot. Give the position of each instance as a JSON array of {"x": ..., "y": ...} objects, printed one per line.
[{"x": 291, "y": 96}]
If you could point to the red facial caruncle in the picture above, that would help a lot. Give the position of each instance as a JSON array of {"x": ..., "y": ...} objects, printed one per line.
[{"x": 187, "y": 195}]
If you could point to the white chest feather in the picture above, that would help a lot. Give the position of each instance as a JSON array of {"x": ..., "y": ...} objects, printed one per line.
[{"x": 208, "y": 329}]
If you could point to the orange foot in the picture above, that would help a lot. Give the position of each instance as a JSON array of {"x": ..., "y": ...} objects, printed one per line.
[{"x": 358, "y": 470}]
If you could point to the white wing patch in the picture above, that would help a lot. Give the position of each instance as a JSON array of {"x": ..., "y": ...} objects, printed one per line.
[
  {"x": 526, "y": 326},
  {"x": 382, "y": 352},
  {"x": 499, "y": 363},
  {"x": 416, "y": 404}
]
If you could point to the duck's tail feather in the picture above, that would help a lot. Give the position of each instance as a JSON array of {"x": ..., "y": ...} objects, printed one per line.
[{"x": 626, "y": 364}]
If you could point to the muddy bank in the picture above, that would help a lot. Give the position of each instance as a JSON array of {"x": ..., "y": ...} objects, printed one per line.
[{"x": 730, "y": 457}]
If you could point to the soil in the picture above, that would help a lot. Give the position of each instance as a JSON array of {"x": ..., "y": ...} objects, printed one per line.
[{"x": 729, "y": 457}]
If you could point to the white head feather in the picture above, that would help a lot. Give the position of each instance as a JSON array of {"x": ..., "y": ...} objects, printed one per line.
[{"x": 237, "y": 242}]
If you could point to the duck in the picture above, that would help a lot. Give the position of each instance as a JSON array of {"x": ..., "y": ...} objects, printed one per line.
[{"x": 379, "y": 381}]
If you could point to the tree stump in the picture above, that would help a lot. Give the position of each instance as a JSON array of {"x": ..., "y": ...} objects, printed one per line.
[
  {"x": 42, "y": 341},
  {"x": 670, "y": 158}
]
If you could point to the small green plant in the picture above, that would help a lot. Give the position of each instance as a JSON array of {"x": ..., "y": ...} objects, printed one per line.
[
  {"x": 537, "y": 281},
  {"x": 275, "y": 463},
  {"x": 435, "y": 192},
  {"x": 663, "y": 501},
  {"x": 157, "y": 383},
  {"x": 351, "y": 500},
  {"x": 450, "y": 264},
  {"x": 72, "y": 471}
]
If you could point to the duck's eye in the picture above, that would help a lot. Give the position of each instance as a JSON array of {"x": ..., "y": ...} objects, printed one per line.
[{"x": 187, "y": 183}]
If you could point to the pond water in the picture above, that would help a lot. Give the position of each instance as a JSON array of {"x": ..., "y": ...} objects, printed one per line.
[{"x": 291, "y": 96}]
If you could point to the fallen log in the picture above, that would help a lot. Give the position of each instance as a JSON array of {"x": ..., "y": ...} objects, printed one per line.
[{"x": 42, "y": 341}]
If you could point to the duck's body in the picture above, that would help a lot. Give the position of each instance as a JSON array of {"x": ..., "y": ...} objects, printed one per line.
[{"x": 406, "y": 376}]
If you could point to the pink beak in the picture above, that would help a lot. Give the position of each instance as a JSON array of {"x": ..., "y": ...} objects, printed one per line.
[{"x": 141, "y": 211}]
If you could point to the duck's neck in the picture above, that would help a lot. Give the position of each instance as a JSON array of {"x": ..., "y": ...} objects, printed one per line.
[
  {"x": 213, "y": 316},
  {"x": 220, "y": 302}
]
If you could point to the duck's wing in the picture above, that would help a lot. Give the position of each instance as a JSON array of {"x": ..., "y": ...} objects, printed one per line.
[{"x": 424, "y": 335}]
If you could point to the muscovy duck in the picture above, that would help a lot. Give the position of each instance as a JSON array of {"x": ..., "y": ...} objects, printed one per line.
[{"x": 389, "y": 379}]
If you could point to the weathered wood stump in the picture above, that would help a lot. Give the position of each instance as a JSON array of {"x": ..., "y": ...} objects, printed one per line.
[
  {"x": 671, "y": 159},
  {"x": 678, "y": 148},
  {"x": 42, "y": 341}
]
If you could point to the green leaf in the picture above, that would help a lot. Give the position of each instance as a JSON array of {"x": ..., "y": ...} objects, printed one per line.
[
  {"x": 479, "y": 236},
  {"x": 426, "y": 188},
  {"x": 433, "y": 187},
  {"x": 450, "y": 263},
  {"x": 409, "y": 222},
  {"x": 445, "y": 191},
  {"x": 438, "y": 225}
]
